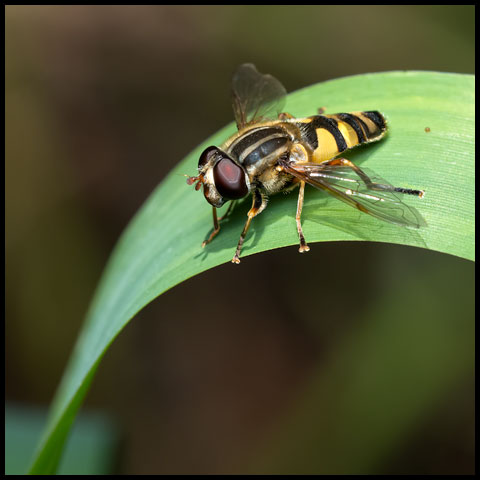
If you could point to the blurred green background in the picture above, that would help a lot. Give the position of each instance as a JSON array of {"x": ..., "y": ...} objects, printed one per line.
[{"x": 355, "y": 358}]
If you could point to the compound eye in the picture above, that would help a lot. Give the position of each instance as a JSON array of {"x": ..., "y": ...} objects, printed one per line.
[
  {"x": 206, "y": 156},
  {"x": 229, "y": 179}
]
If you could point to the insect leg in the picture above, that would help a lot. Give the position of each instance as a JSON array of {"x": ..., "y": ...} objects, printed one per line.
[
  {"x": 285, "y": 116},
  {"x": 216, "y": 225},
  {"x": 368, "y": 182},
  {"x": 303, "y": 244},
  {"x": 229, "y": 209},
  {"x": 258, "y": 205}
]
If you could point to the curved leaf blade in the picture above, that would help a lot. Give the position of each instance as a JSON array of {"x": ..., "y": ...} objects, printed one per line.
[{"x": 161, "y": 246}]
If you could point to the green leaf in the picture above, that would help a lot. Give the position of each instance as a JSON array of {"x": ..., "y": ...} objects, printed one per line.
[{"x": 161, "y": 246}]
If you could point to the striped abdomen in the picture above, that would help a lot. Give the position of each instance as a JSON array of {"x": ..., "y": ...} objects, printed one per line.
[
  {"x": 330, "y": 135},
  {"x": 260, "y": 146}
]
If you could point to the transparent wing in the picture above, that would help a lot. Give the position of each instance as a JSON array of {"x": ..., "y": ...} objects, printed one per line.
[
  {"x": 369, "y": 194},
  {"x": 255, "y": 97}
]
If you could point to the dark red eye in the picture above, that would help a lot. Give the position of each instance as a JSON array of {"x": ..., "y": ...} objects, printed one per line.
[
  {"x": 229, "y": 179},
  {"x": 207, "y": 155}
]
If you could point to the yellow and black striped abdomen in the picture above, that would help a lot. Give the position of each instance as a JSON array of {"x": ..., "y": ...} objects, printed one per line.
[{"x": 330, "y": 135}]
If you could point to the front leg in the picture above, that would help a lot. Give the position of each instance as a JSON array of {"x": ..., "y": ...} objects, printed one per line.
[
  {"x": 216, "y": 225},
  {"x": 258, "y": 205}
]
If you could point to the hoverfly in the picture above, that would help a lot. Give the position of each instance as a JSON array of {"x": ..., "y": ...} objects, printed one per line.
[{"x": 274, "y": 152}]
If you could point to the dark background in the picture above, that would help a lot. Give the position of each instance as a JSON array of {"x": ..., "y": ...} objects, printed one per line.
[{"x": 101, "y": 102}]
